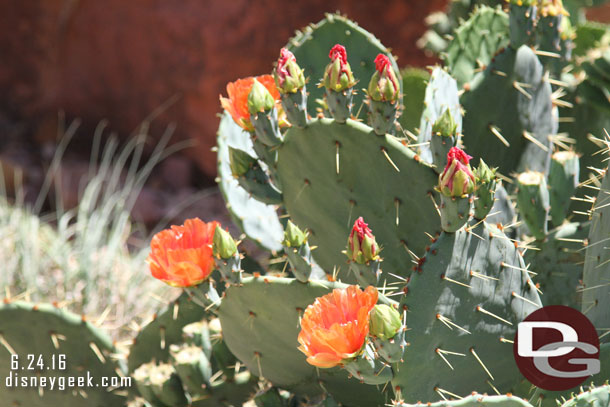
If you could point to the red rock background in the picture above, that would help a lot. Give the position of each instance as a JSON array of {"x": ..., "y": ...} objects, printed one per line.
[{"x": 120, "y": 60}]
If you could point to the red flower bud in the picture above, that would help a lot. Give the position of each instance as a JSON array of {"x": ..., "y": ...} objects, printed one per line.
[
  {"x": 382, "y": 62},
  {"x": 288, "y": 75},
  {"x": 384, "y": 85},
  {"x": 338, "y": 51},
  {"x": 338, "y": 75},
  {"x": 361, "y": 244},
  {"x": 457, "y": 178}
]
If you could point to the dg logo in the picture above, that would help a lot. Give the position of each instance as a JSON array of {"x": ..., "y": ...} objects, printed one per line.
[{"x": 556, "y": 348}]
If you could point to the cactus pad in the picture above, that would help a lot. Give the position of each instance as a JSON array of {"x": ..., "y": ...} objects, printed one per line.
[
  {"x": 260, "y": 321},
  {"x": 414, "y": 82},
  {"x": 475, "y": 42},
  {"x": 153, "y": 341},
  {"x": 558, "y": 264},
  {"x": 47, "y": 331},
  {"x": 333, "y": 173},
  {"x": 512, "y": 86},
  {"x": 469, "y": 293},
  {"x": 596, "y": 278}
]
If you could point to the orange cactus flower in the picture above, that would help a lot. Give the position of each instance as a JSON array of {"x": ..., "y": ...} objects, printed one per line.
[
  {"x": 335, "y": 326},
  {"x": 237, "y": 102},
  {"x": 182, "y": 255}
]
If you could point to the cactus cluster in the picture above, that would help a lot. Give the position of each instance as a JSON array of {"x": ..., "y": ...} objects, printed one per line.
[
  {"x": 453, "y": 259},
  {"x": 454, "y": 286}
]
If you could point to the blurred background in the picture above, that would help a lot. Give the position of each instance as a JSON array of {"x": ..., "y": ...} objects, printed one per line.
[{"x": 126, "y": 61}]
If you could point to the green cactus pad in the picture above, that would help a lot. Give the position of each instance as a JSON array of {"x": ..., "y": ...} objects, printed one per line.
[
  {"x": 475, "y": 42},
  {"x": 469, "y": 293},
  {"x": 509, "y": 97},
  {"x": 595, "y": 397},
  {"x": 257, "y": 220},
  {"x": 312, "y": 44},
  {"x": 378, "y": 178},
  {"x": 563, "y": 180},
  {"x": 596, "y": 87},
  {"x": 441, "y": 94},
  {"x": 591, "y": 116},
  {"x": 522, "y": 24},
  {"x": 533, "y": 202},
  {"x": 558, "y": 264},
  {"x": 596, "y": 277},
  {"x": 153, "y": 341},
  {"x": 475, "y": 400},
  {"x": 260, "y": 321},
  {"x": 414, "y": 82},
  {"x": 32, "y": 331}
]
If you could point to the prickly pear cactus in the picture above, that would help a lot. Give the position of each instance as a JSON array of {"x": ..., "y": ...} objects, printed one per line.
[
  {"x": 460, "y": 297},
  {"x": 509, "y": 113},
  {"x": 200, "y": 372},
  {"x": 596, "y": 292},
  {"x": 475, "y": 42},
  {"x": 260, "y": 321},
  {"x": 462, "y": 306},
  {"x": 154, "y": 340},
  {"x": 344, "y": 155},
  {"x": 595, "y": 397},
  {"x": 41, "y": 340},
  {"x": 557, "y": 262}
]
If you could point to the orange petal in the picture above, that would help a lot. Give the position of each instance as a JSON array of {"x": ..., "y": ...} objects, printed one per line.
[{"x": 324, "y": 360}]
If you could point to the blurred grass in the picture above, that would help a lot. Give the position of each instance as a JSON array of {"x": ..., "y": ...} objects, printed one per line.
[{"x": 85, "y": 257}]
